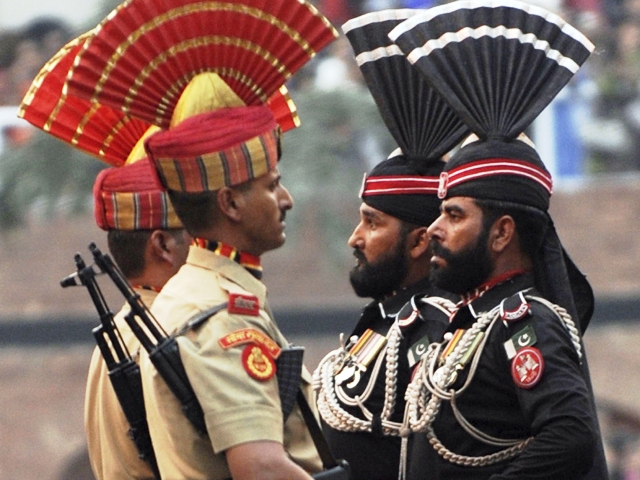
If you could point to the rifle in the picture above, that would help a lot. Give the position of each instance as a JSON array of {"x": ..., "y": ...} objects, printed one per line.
[
  {"x": 123, "y": 371},
  {"x": 162, "y": 348}
]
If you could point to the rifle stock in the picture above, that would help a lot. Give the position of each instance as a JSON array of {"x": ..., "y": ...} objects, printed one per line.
[
  {"x": 123, "y": 371},
  {"x": 162, "y": 348}
]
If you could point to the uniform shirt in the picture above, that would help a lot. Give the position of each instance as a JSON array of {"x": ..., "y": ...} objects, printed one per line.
[
  {"x": 237, "y": 407},
  {"x": 112, "y": 453},
  {"x": 373, "y": 455},
  {"x": 557, "y": 411}
]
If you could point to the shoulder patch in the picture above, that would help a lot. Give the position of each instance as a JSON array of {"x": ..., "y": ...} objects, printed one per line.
[
  {"x": 418, "y": 350},
  {"x": 257, "y": 362},
  {"x": 250, "y": 335},
  {"x": 527, "y": 367},
  {"x": 524, "y": 338},
  {"x": 514, "y": 308},
  {"x": 243, "y": 304}
]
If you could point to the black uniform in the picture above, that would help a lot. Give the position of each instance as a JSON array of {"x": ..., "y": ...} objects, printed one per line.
[
  {"x": 556, "y": 411},
  {"x": 374, "y": 456}
]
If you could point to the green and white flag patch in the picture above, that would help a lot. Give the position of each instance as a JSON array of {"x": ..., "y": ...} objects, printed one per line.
[{"x": 524, "y": 338}]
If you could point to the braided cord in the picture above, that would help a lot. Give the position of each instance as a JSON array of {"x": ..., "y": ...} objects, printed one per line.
[
  {"x": 330, "y": 397},
  {"x": 430, "y": 387},
  {"x": 566, "y": 320}
]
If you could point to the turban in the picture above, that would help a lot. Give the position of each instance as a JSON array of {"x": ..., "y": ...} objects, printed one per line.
[
  {"x": 131, "y": 198},
  {"x": 226, "y": 147}
]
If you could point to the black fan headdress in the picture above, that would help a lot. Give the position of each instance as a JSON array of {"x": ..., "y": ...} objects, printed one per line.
[
  {"x": 421, "y": 122},
  {"x": 499, "y": 64}
]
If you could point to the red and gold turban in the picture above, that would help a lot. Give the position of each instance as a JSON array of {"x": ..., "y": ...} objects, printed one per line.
[
  {"x": 226, "y": 147},
  {"x": 131, "y": 198}
]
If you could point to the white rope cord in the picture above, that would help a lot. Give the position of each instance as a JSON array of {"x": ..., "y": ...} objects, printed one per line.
[
  {"x": 330, "y": 396},
  {"x": 391, "y": 373},
  {"x": 566, "y": 320},
  {"x": 445, "y": 305},
  {"x": 429, "y": 389}
]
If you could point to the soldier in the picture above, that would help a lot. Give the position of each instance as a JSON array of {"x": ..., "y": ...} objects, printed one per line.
[
  {"x": 507, "y": 394},
  {"x": 361, "y": 385},
  {"x": 234, "y": 218},
  {"x": 149, "y": 245}
]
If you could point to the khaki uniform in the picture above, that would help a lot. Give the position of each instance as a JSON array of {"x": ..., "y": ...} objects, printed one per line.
[
  {"x": 112, "y": 453},
  {"x": 238, "y": 408}
]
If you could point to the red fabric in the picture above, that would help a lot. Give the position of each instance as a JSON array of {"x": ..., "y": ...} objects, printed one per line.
[
  {"x": 401, "y": 185},
  {"x": 255, "y": 46},
  {"x": 491, "y": 167},
  {"x": 103, "y": 132},
  {"x": 211, "y": 132},
  {"x": 136, "y": 177}
]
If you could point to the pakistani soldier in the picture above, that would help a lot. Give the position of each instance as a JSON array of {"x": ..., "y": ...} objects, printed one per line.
[
  {"x": 361, "y": 385},
  {"x": 507, "y": 394}
]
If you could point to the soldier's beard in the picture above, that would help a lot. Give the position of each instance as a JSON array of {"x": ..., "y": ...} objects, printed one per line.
[
  {"x": 381, "y": 278},
  {"x": 464, "y": 270}
]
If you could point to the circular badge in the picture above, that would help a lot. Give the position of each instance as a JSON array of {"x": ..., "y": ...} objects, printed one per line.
[
  {"x": 258, "y": 363},
  {"x": 527, "y": 367}
]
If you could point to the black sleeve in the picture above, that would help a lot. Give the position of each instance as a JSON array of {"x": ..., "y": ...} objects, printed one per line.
[{"x": 558, "y": 408}]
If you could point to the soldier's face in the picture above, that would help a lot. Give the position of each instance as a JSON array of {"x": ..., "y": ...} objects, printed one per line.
[
  {"x": 459, "y": 243},
  {"x": 381, "y": 254},
  {"x": 265, "y": 203}
]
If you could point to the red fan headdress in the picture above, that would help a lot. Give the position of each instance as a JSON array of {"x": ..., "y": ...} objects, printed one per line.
[
  {"x": 106, "y": 133},
  {"x": 422, "y": 123},
  {"x": 145, "y": 53}
]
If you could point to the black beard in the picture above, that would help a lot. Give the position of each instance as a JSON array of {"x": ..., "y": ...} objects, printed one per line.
[
  {"x": 464, "y": 270},
  {"x": 380, "y": 279}
]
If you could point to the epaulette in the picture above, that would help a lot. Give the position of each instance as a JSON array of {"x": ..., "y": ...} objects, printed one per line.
[
  {"x": 408, "y": 314},
  {"x": 199, "y": 318},
  {"x": 514, "y": 308}
]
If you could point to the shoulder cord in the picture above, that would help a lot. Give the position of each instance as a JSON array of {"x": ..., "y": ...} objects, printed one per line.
[
  {"x": 445, "y": 305},
  {"x": 422, "y": 412},
  {"x": 566, "y": 320},
  {"x": 436, "y": 383},
  {"x": 328, "y": 394}
]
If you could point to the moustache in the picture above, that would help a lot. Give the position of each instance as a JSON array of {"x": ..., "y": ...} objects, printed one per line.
[
  {"x": 359, "y": 255},
  {"x": 439, "y": 251}
]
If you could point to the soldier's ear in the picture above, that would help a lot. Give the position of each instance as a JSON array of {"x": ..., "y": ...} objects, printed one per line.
[
  {"x": 230, "y": 202},
  {"x": 418, "y": 242},
  {"x": 160, "y": 245},
  {"x": 502, "y": 233}
]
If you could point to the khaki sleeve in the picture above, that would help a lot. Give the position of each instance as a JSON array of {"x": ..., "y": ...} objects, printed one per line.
[{"x": 237, "y": 407}]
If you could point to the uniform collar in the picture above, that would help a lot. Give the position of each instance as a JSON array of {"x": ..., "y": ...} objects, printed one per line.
[
  {"x": 202, "y": 258},
  {"x": 247, "y": 260},
  {"x": 147, "y": 295},
  {"x": 388, "y": 307},
  {"x": 491, "y": 297}
]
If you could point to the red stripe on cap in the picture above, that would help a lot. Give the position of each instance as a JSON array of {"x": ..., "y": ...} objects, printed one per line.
[
  {"x": 400, "y": 185},
  {"x": 493, "y": 167}
]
